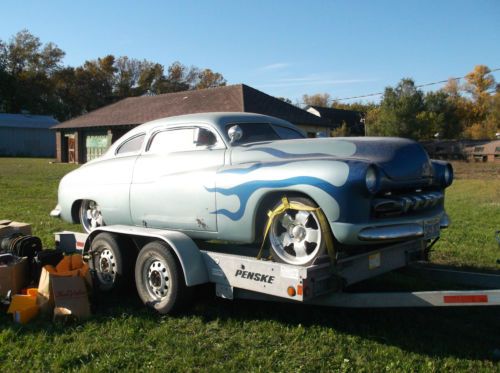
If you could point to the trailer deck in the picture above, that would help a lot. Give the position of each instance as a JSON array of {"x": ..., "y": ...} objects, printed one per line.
[{"x": 237, "y": 273}]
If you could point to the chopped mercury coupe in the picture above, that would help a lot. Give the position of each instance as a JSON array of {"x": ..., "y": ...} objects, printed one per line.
[{"x": 215, "y": 176}]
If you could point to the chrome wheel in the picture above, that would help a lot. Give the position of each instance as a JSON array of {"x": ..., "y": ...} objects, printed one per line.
[
  {"x": 90, "y": 215},
  {"x": 157, "y": 278},
  {"x": 106, "y": 267},
  {"x": 296, "y": 237}
]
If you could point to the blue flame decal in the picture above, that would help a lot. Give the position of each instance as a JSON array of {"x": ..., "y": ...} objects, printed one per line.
[
  {"x": 253, "y": 167},
  {"x": 245, "y": 190},
  {"x": 281, "y": 154}
]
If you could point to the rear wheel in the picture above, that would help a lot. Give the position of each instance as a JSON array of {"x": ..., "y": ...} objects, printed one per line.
[
  {"x": 159, "y": 279},
  {"x": 90, "y": 215},
  {"x": 296, "y": 236},
  {"x": 112, "y": 260}
]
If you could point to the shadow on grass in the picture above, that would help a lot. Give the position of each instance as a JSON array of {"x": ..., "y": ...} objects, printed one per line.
[{"x": 463, "y": 333}]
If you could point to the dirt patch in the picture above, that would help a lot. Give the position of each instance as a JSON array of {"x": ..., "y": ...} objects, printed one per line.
[{"x": 476, "y": 170}]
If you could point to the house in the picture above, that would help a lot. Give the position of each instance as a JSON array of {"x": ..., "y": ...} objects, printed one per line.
[
  {"x": 337, "y": 117},
  {"x": 470, "y": 150},
  {"x": 487, "y": 152},
  {"x": 86, "y": 137},
  {"x": 27, "y": 135}
]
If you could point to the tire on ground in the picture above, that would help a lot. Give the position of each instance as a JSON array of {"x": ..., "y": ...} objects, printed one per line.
[
  {"x": 160, "y": 280},
  {"x": 112, "y": 259},
  {"x": 296, "y": 249}
]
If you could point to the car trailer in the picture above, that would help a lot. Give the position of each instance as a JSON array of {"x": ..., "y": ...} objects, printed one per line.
[{"x": 237, "y": 273}]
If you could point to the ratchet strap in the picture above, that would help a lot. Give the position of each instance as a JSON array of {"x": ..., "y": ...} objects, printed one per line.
[{"x": 287, "y": 205}]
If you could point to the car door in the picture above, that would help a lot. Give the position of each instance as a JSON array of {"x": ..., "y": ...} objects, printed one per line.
[{"x": 172, "y": 178}]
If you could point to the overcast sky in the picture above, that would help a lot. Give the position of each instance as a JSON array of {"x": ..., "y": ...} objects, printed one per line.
[{"x": 284, "y": 48}]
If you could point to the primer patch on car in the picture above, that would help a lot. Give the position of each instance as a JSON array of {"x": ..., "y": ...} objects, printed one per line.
[{"x": 321, "y": 149}]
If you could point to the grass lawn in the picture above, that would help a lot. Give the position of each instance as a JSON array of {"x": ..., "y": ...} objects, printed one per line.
[{"x": 219, "y": 335}]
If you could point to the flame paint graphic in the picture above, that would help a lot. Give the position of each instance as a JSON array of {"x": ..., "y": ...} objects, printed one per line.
[{"x": 244, "y": 191}]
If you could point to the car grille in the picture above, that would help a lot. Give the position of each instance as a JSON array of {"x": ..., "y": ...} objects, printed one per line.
[{"x": 391, "y": 205}]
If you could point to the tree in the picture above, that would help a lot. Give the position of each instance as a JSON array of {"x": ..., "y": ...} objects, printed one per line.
[
  {"x": 209, "y": 79},
  {"x": 26, "y": 70},
  {"x": 439, "y": 117},
  {"x": 33, "y": 78},
  {"x": 399, "y": 109},
  {"x": 478, "y": 83},
  {"x": 318, "y": 99},
  {"x": 284, "y": 99}
]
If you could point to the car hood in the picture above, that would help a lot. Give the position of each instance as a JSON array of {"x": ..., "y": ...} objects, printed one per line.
[{"x": 400, "y": 159}]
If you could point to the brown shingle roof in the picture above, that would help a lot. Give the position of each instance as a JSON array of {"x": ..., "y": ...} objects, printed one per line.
[{"x": 234, "y": 98}]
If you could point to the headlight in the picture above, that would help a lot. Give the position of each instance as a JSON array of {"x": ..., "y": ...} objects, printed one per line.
[
  {"x": 448, "y": 175},
  {"x": 372, "y": 180}
]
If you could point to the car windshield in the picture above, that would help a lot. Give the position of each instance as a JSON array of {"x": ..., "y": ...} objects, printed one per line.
[{"x": 255, "y": 132}]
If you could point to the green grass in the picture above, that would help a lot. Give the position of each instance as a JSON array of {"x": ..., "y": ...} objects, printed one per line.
[{"x": 219, "y": 335}]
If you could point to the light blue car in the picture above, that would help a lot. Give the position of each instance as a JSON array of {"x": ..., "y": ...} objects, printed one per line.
[{"x": 216, "y": 176}]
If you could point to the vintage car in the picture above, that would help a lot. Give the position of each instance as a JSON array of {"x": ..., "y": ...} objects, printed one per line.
[{"x": 215, "y": 176}]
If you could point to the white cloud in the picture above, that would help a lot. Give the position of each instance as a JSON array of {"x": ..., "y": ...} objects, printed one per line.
[{"x": 275, "y": 66}]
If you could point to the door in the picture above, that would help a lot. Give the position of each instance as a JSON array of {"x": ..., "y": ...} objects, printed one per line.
[
  {"x": 172, "y": 179},
  {"x": 71, "y": 149}
]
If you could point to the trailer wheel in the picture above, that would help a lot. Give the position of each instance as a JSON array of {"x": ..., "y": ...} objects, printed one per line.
[
  {"x": 296, "y": 236},
  {"x": 111, "y": 264},
  {"x": 159, "y": 279}
]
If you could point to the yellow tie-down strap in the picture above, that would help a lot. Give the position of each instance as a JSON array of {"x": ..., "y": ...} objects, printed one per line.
[{"x": 323, "y": 222}]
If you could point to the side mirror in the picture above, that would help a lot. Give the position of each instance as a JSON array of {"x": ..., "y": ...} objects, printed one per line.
[
  {"x": 235, "y": 133},
  {"x": 204, "y": 137}
]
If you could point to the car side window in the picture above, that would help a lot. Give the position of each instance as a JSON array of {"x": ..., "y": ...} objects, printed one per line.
[
  {"x": 286, "y": 133},
  {"x": 170, "y": 141},
  {"x": 132, "y": 145}
]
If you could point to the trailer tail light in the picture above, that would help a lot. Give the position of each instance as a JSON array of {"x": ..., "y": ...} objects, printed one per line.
[
  {"x": 299, "y": 290},
  {"x": 291, "y": 291},
  {"x": 476, "y": 298}
]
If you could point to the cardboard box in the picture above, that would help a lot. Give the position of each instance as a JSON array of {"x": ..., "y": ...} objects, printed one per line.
[
  {"x": 66, "y": 295},
  {"x": 10, "y": 227},
  {"x": 23, "y": 228},
  {"x": 13, "y": 277},
  {"x": 6, "y": 231},
  {"x": 70, "y": 294}
]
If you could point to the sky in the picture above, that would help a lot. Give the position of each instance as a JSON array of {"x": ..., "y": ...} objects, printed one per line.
[{"x": 284, "y": 48}]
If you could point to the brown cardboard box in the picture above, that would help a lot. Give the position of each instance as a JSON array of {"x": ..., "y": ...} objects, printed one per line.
[
  {"x": 70, "y": 293},
  {"x": 11, "y": 227},
  {"x": 6, "y": 231},
  {"x": 13, "y": 277},
  {"x": 64, "y": 292},
  {"x": 23, "y": 228}
]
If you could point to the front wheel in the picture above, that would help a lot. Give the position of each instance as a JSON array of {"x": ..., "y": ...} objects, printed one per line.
[
  {"x": 159, "y": 279},
  {"x": 90, "y": 215},
  {"x": 296, "y": 235}
]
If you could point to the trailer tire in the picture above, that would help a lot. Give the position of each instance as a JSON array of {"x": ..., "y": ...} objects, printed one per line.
[
  {"x": 160, "y": 280},
  {"x": 112, "y": 266}
]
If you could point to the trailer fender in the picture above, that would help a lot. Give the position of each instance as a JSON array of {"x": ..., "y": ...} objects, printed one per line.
[{"x": 187, "y": 252}]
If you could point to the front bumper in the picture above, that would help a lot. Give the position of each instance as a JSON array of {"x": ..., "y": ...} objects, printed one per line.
[
  {"x": 424, "y": 227},
  {"x": 402, "y": 231},
  {"x": 56, "y": 213}
]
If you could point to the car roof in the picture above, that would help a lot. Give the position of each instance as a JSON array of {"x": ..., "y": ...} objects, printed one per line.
[{"x": 219, "y": 119}]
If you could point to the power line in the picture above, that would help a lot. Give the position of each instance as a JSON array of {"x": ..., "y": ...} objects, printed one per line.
[{"x": 417, "y": 86}]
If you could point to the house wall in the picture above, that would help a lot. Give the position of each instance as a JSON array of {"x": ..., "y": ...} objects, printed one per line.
[
  {"x": 89, "y": 143},
  {"x": 27, "y": 142}
]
